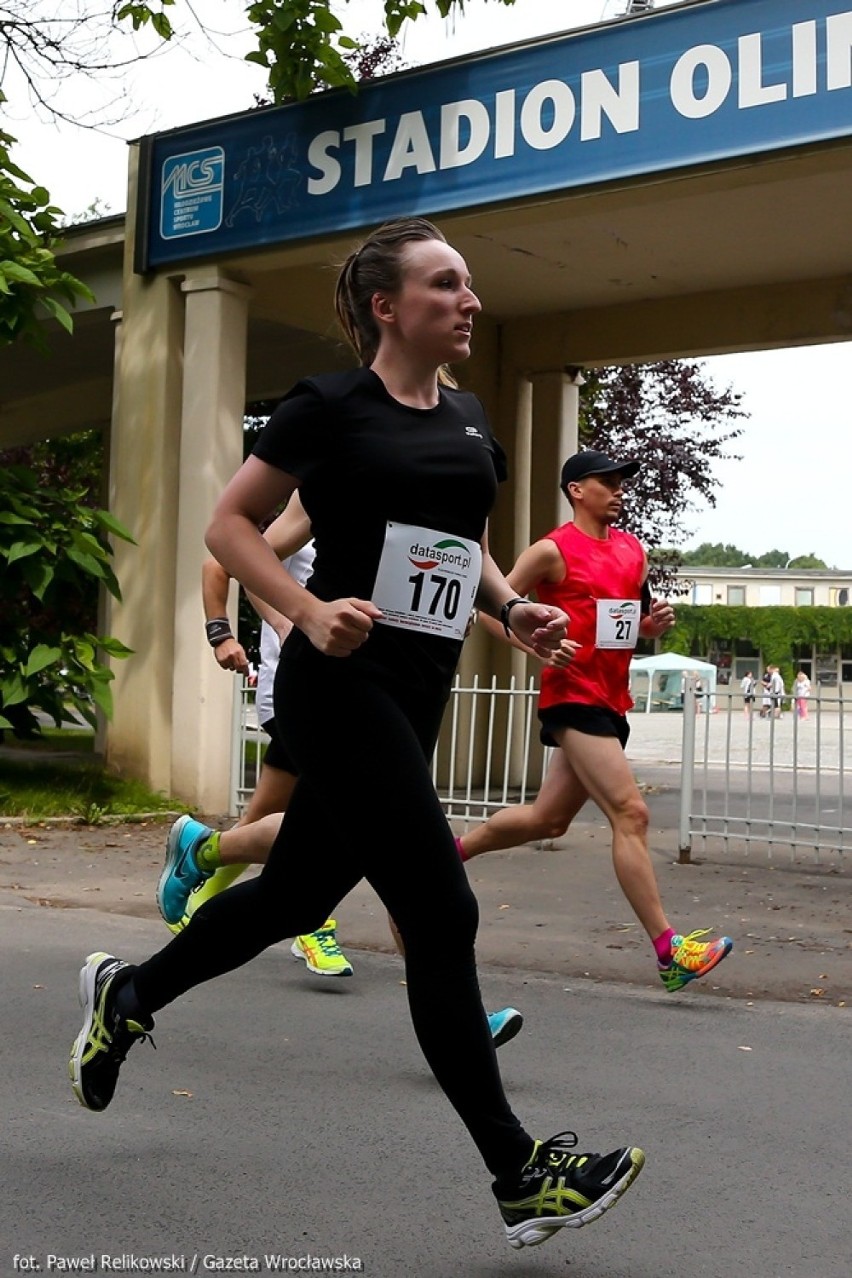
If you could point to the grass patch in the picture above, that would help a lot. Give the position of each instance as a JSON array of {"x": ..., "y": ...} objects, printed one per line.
[
  {"x": 80, "y": 740},
  {"x": 35, "y": 788}
]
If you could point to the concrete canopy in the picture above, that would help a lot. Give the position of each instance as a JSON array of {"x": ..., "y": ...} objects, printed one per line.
[{"x": 688, "y": 265}]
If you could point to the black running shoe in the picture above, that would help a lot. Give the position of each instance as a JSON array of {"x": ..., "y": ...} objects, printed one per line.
[
  {"x": 558, "y": 1189},
  {"x": 101, "y": 1046}
]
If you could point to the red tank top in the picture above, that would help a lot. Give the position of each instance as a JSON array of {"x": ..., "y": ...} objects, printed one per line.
[{"x": 611, "y": 569}]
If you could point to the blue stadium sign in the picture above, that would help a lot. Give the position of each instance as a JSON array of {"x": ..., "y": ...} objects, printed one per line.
[{"x": 692, "y": 85}]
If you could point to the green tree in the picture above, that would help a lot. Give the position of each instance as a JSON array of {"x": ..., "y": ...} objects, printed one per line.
[
  {"x": 713, "y": 554},
  {"x": 302, "y": 44},
  {"x": 716, "y": 555},
  {"x": 772, "y": 559},
  {"x": 53, "y": 548},
  {"x": 671, "y": 416},
  {"x": 32, "y": 285},
  {"x": 807, "y": 561}
]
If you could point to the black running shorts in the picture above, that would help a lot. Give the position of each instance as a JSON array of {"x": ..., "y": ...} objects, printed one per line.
[
  {"x": 276, "y": 755},
  {"x": 595, "y": 721}
]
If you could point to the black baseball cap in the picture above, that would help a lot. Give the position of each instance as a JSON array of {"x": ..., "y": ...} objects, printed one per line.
[{"x": 589, "y": 462}]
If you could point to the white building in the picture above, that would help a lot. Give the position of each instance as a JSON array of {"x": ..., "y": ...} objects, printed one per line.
[{"x": 829, "y": 666}]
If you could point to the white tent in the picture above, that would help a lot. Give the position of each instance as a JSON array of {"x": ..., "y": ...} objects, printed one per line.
[{"x": 655, "y": 682}]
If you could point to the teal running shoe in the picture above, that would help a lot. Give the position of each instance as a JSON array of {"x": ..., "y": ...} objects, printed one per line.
[
  {"x": 504, "y": 1025},
  {"x": 181, "y": 874}
]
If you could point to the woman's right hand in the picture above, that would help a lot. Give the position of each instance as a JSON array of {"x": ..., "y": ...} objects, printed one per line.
[{"x": 339, "y": 628}]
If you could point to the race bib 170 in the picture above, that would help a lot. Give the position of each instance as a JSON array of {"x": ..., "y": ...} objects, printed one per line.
[{"x": 427, "y": 580}]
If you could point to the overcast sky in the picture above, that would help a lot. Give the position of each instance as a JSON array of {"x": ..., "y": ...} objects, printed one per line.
[{"x": 798, "y": 434}]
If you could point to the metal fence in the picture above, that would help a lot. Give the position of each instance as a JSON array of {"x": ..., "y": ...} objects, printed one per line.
[
  {"x": 776, "y": 782},
  {"x": 488, "y": 754},
  {"x": 773, "y": 779},
  {"x": 248, "y": 743}
]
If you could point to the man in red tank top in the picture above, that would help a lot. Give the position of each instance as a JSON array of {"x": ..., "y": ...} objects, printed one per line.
[{"x": 598, "y": 575}]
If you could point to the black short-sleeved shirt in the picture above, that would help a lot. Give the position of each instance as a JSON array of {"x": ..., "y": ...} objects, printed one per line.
[{"x": 362, "y": 459}]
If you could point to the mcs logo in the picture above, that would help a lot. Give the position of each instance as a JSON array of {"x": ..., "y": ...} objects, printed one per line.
[{"x": 191, "y": 193}]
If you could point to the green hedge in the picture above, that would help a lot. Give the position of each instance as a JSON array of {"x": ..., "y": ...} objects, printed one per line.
[{"x": 774, "y": 631}]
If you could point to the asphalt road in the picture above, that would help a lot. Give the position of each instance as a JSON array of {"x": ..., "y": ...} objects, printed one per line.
[{"x": 283, "y": 1117}]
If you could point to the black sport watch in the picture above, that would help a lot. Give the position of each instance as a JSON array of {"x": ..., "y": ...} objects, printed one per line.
[{"x": 506, "y": 609}]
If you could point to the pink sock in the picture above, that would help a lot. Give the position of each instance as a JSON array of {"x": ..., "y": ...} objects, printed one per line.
[
  {"x": 663, "y": 946},
  {"x": 460, "y": 849}
]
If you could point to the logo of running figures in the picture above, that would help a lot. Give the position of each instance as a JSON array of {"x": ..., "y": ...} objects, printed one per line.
[
  {"x": 267, "y": 178},
  {"x": 444, "y": 554}
]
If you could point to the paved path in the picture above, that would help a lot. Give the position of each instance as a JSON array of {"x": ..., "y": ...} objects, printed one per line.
[
  {"x": 558, "y": 910},
  {"x": 283, "y": 1117},
  {"x": 827, "y": 738}
]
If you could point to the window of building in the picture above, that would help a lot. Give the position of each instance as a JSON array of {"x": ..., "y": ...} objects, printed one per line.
[
  {"x": 745, "y": 648},
  {"x": 839, "y": 596},
  {"x": 826, "y": 669},
  {"x": 736, "y": 596},
  {"x": 722, "y": 659},
  {"x": 846, "y": 663},
  {"x": 803, "y": 659},
  {"x": 702, "y": 594},
  {"x": 804, "y": 596},
  {"x": 770, "y": 596}
]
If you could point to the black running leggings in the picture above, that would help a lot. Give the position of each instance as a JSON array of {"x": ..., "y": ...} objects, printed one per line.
[{"x": 364, "y": 807}]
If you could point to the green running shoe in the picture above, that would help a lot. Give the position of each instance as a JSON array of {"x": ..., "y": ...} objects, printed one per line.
[
  {"x": 220, "y": 880},
  {"x": 321, "y": 953},
  {"x": 558, "y": 1189},
  {"x": 101, "y": 1046}
]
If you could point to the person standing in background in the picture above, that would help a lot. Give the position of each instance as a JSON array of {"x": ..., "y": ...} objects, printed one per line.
[
  {"x": 776, "y": 691},
  {"x": 801, "y": 692},
  {"x": 748, "y": 684}
]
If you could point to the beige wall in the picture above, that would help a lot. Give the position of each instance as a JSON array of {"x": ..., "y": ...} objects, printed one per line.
[{"x": 764, "y": 588}]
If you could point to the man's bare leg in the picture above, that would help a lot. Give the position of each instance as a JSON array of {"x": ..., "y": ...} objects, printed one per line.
[
  {"x": 558, "y": 801},
  {"x": 601, "y": 769}
]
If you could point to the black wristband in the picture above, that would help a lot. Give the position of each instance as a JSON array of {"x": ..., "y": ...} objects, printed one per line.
[
  {"x": 218, "y": 630},
  {"x": 504, "y": 613}
]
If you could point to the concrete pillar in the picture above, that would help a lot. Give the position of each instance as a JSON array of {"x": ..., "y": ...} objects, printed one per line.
[
  {"x": 144, "y": 496},
  {"x": 211, "y": 450},
  {"x": 546, "y": 432},
  {"x": 106, "y": 497},
  {"x": 555, "y": 434}
]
